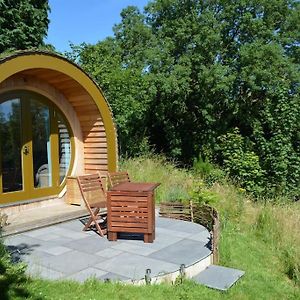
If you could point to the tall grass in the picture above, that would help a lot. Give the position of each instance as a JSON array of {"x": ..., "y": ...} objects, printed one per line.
[
  {"x": 279, "y": 226},
  {"x": 175, "y": 183},
  {"x": 276, "y": 225}
]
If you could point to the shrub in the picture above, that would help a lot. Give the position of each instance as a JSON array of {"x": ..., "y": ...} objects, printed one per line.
[
  {"x": 209, "y": 172},
  {"x": 201, "y": 194},
  {"x": 241, "y": 163},
  {"x": 12, "y": 277}
]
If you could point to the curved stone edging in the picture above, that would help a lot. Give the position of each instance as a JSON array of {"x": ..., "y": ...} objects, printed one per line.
[{"x": 190, "y": 271}]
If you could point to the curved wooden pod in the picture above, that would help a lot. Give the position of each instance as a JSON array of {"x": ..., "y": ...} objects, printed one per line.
[{"x": 79, "y": 97}]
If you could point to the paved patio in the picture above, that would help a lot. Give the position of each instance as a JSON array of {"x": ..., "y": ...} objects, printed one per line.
[{"x": 64, "y": 251}]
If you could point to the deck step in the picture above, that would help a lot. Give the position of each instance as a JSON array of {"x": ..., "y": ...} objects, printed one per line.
[
  {"x": 47, "y": 221},
  {"x": 218, "y": 277}
]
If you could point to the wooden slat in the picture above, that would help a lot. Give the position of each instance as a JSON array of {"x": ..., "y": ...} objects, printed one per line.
[
  {"x": 66, "y": 84},
  {"x": 95, "y": 150},
  {"x": 129, "y": 199},
  {"x": 55, "y": 78},
  {"x": 95, "y": 140},
  {"x": 96, "y": 167},
  {"x": 91, "y": 123},
  {"x": 89, "y": 189},
  {"x": 129, "y": 225},
  {"x": 90, "y": 117},
  {"x": 77, "y": 89},
  {"x": 94, "y": 134},
  {"x": 95, "y": 155},
  {"x": 128, "y": 194},
  {"x": 84, "y": 102},
  {"x": 175, "y": 210},
  {"x": 134, "y": 206},
  {"x": 86, "y": 109},
  {"x": 95, "y": 161},
  {"x": 136, "y": 230},
  {"x": 91, "y": 184},
  {"x": 104, "y": 170},
  {"x": 92, "y": 128},
  {"x": 52, "y": 77},
  {"x": 128, "y": 220},
  {"x": 134, "y": 214},
  {"x": 117, "y": 177},
  {"x": 79, "y": 98},
  {"x": 73, "y": 92},
  {"x": 126, "y": 209},
  {"x": 95, "y": 145}
]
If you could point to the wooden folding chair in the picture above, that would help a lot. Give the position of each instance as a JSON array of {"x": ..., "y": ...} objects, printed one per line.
[
  {"x": 117, "y": 177},
  {"x": 94, "y": 198}
]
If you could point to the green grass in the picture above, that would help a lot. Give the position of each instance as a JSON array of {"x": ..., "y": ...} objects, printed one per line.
[
  {"x": 175, "y": 182},
  {"x": 261, "y": 239}
]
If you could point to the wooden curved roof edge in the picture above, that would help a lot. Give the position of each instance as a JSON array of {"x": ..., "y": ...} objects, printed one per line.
[{"x": 19, "y": 61}]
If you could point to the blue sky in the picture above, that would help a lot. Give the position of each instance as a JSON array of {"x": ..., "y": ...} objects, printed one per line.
[{"x": 87, "y": 21}]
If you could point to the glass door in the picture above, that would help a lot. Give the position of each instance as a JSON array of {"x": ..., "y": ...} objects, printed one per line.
[
  {"x": 11, "y": 144},
  {"x": 35, "y": 147}
]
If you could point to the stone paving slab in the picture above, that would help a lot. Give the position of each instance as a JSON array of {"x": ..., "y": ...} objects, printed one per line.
[
  {"x": 218, "y": 277},
  {"x": 188, "y": 227},
  {"x": 134, "y": 248},
  {"x": 201, "y": 237},
  {"x": 89, "y": 245},
  {"x": 36, "y": 270},
  {"x": 64, "y": 251},
  {"x": 171, "y": 232},
  {"x": 134, "y": 266},
  {"x": 185, "y": 251}
]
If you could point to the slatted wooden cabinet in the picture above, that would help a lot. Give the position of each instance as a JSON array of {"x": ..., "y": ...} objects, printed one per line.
[{"x": 131, "y": 211}]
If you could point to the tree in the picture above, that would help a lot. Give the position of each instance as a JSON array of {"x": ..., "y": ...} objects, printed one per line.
[
  {"x": 209, "y": 68},
  {"x": 118, "y": 65},
  {"x": 23, "y": 23}
]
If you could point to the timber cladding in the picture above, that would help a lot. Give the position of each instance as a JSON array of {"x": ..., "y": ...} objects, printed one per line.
[
  {"x": 53, "y": 75},
  {"x": 57, "y": 78}
]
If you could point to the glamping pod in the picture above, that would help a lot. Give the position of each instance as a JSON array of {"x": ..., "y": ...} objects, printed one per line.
[{"x": 54, "y": 123}]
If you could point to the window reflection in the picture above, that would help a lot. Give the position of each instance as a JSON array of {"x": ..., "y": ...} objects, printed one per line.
[
  {"x": 10, "y": 145},
  {"x": 64, "y": 148}
]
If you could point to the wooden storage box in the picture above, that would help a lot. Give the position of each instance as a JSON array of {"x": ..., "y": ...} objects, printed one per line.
[
  {"x": 131, "y": 212},
  {"x": 73, "y": 195}
]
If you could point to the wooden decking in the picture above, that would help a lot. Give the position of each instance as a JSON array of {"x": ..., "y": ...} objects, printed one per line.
[{"x": 39, "y": 217}]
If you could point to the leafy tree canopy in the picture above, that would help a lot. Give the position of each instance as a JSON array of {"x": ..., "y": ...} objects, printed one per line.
[
  {"x": 23, "y": 23},
  {"x": 214, "y": 79}
]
